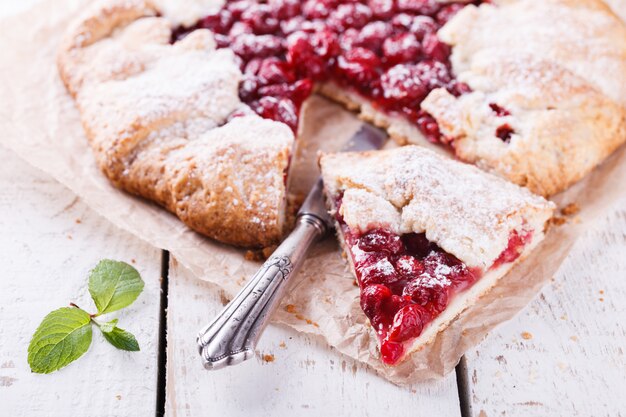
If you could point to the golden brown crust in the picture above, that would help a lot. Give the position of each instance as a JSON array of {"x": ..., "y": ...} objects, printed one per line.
[
  {"x": 557, "y": 65},
  {"x": 158, "y": 119}
]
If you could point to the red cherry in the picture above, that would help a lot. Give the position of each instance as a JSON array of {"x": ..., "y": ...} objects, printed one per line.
[
  {"x": 236, "y": 8},
  {"x": 373, "y": 35},
  {"x": 391, "y": 352},
  {"x": 318, "y": 9},
  {"x": 292, "y": 25},
  {"x": 285, "y": 9},
  {"x": 408, "y": 323},
  {"x": 402, "y": 85},
  {"x": 435, "y": 49},
  {"x": 401, "y": 48},
  {"x": 372, "y": 299},
  {"x": 379, "y": 240},
  {"x": 422, "y": 7},
  {"x": 421, "y": 26},
  {"x": 375, "y": 268},
  {"x": 448, "y": 12},
  {"x": 409, "y": 266},
  {"x": 351, "y": 15},
  {"x": 282, "y": 110},
  {"x": 249, "y": 46},
  {"x": 220, "y": 22},
  {"x": 381, "y": 9},
  {"x": 360, "y": 65},
  {"x": 274, "y": 71},
  {"x": 260, "y": 18},
  {"x": 429, "y": 127}
]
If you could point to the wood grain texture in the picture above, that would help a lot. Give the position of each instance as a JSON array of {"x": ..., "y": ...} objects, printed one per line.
[
  {"x": 564, "y": 354},
  {"x": 49, "y": 241},
  {"x": 292, "y": 375}
]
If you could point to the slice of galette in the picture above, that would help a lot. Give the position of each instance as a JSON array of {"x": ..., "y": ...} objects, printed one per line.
[{"x": 426, "y": 236}]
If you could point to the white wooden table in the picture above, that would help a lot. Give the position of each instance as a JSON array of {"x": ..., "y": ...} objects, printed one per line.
[{"x": 563, "y": 356}]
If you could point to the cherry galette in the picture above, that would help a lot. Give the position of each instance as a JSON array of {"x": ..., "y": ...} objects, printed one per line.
[{"x": 425, "y": 237}]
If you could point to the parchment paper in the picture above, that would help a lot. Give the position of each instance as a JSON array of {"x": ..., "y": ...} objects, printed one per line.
[{"x": 39, "y": 122}]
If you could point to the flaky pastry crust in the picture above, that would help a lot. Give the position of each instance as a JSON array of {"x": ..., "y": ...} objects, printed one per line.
[
  {"x": 466, "y": 211},
  {"x": 558, "y": 67},
  {"x": 158, "y": 117}
]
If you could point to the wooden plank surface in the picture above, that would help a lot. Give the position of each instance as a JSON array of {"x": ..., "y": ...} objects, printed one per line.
[
  {"x": 292, "y": 375},
  {"x": 564, "y": 354},
  {"x": 49, "y": 241}
]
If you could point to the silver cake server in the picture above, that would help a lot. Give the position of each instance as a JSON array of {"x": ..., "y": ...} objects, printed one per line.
[{"x": 232, "y": 336}]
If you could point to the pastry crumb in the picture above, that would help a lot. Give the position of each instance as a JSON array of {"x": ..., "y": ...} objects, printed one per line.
[
  {"x": 574, "y": 338},
  {"x": 570, "y": 209},
  {"x": 557, "y": 221},
  {"x": 255, "y": 255},
  {"x": 527, "y": 335},
  {"x": 268, "y": 357},
  {"x": 290, "y": 308},
  {"x": 282, "y": 345},
  {"x": 78, "y": 221},
  {"x": 601, "y": 299},
  {"x": 223, "y": 298},
  {"x": 601, "y": 291}
]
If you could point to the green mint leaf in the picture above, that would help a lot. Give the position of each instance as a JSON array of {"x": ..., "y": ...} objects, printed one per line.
[
  {"x": 63, "y": 336},
  {"x": 114, "y": 285},
  {"x": 108, "y": 326},
  {"x": 121, "y": 339}
]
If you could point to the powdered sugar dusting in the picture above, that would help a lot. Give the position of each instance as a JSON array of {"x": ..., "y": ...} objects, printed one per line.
[{"x": 465, "y": 211}]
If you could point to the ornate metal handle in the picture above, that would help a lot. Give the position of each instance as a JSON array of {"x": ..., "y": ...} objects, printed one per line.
[{"x": 232, "y": 336}]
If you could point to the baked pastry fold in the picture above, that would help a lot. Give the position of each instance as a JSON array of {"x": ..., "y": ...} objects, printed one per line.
[{"x": 166, "y": 123}]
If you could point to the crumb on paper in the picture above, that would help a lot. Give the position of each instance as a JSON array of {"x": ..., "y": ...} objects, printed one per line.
[
  {"x": 557, "y": 221},
  {"x": 570, "y": 209},
  {"x": 259, "y": 255},
  {"x": 308, "y": 321},
  {"x": 78, "y": 221},
  {"x": 527, "y": 335},
  {"x": 223, "y": 298},
  {"x": 601, "y": 299},
  {"x": 70, "y": 237},
  {"x": 118, "y": 396},
  {"x": 290, "y": 308},
  {"x": 574, "y": 338},
  {"x": 282, "y": 345},
  {"x": 601, "y": 291},
  {"x": 564, "y": 317},
  {"x": 268, "y": 357},
  {"x": 133, "y": 261}
]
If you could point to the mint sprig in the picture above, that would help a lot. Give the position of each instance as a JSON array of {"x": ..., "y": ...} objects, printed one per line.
[{"x": 65, "y": 334}]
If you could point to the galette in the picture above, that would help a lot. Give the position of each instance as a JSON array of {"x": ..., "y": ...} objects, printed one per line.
[
  {"x": 425, "y": 236},
  {"x": 196, "y": 105}
]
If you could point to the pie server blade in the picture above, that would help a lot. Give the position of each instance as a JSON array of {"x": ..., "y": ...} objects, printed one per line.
[{"x": 232, "y": 336}]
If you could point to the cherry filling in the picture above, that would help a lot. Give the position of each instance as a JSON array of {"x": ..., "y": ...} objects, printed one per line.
[
  {"x": 407, "y": 281},
  {"x": 386, "y": 50}
]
